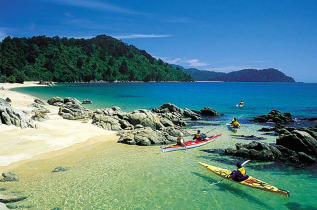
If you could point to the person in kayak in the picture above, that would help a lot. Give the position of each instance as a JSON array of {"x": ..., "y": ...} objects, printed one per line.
[
  {"x": 241, "y": 103},
  {"x": 180, "y": 140},
  {"x": 240, "y": 174},
  {"x": 199, "y": 136},
  {"x": 234, "y": 123}
]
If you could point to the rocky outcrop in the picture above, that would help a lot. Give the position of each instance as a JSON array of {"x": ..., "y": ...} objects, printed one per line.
[
  {"x": 11, "y": 197},
  {"x": 70, "y": 108},
  {"x": 146, "y": 137},
  {"x": 48, "y": 83},
  {"x": 292, "y": 145},
  {"x": 276, "y": 117},
  {"x": 8, "y": 100},
  {"x": 210, "y": 112},
  {"x": 86, "y": 101},
  {"x": 9, "y": 177},
  {"x": 56, "y": 101},
  {"x": 12, "y": 116}
]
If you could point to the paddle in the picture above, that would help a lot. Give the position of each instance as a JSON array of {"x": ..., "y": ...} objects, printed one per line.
[{"x": 245, "y": 162}]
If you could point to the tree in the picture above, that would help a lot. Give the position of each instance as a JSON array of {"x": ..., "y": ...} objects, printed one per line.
[{"x": 124, "y": 67}]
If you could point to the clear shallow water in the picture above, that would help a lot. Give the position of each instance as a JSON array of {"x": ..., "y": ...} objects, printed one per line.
[{"x": 122, "y": 176}]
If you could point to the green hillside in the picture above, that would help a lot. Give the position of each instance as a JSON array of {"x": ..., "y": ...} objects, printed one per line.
[{"x": 80, "y": 60}]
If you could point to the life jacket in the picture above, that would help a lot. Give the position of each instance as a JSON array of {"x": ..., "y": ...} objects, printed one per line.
[
  {"x": 241, "y": 103},
  {"x": 242, "y": 171},
  {"x": 235, "y": 124},
  {"x": 197, "y": 135}
]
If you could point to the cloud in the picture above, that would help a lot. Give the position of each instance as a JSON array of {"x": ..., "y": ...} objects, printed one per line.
[
  {"x": 140, "y": 36},
  {"x": 95, "y": 5},
  {"x": 195, "y": 63}
]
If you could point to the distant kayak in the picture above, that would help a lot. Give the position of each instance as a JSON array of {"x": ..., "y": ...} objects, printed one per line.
[
  {"x": 251, "y": 182},
  {"x": 232, "y": 129},
  {"x": 190, "y": 144},
  {"x": 238, "y": 105}
]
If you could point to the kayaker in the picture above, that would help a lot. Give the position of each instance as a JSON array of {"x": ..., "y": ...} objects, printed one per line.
[
  {"x": 240, "y": 174},
  {"x": 199, "y": 136},
  {"x": 241, "y": 103},
  {"x": 234, "y": 123},
  {"x": 180, "y": 140}
]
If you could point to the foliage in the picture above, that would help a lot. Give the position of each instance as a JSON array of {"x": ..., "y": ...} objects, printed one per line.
[
  {"x": 245, "y": 75},
  {"x": 80, "y": 60}
]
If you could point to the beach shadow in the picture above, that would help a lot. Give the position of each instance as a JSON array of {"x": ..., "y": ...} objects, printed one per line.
[{"x": 232, "y": 190}]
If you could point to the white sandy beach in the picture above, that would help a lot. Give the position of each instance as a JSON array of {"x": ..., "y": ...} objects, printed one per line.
[{"x": 54, "y": 134}]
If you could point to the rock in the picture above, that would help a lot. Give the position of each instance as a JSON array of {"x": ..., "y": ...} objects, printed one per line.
[
  {"x": 299, "y": 141},
  {"x": 3, "y": 206},
  {"x": 39, "y": 116},
  {"x": 173, "y": 118},
  {"x": 303, "y": 157},
  {"x": 39, "y": 101},
  {"x": 265, "y": 129},
  {"x": 73, "y": 110},
  {"x": 56, "y": 101},
  {"x": 9, "y": 177},
  {"x": 12, "y": 116},
  {"x": 195, "y": 117},
  {"x": 274, "y": 116},
  {"x": 86, "y": 101},
  {"x": 138, "y": 126},
  {"x": 48, "y": 83},
  {"x": 106, "y": 122},
  {"x": 168, "y": 108},
  {"x": 11, "y": 197},
  {"x": 60, "y": 169},
  {"x": 8, "y": 100},
  {"x": 145, "y": 118},
  {"x": 209, "y": 112},
  {"x": 146, "y": 137}
]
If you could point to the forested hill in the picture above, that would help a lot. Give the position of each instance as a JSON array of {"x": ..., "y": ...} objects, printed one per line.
[
  {"x": 245, "y": 75},
  {"x": 69, "y": 60}
]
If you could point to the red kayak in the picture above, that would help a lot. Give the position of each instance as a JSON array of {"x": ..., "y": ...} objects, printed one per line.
[{"x": 190, "y": 144}]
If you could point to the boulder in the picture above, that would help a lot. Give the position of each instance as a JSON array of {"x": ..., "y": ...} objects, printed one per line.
[
  {"x": 9, "y": 177},
  {"x": 106, "y": 122},
  {"x": 59, "y": 169},
  {"x": 275, "y": 116},
  {"x": 73, "y": 110},
  {"x": 146, "y": 137},
  {"x": 145, "y": 118},
  {"x": 168, "y": 108},
  {"x": 86, "y": 101},
  {"x": 39, "y": 101},
  {"x": 48, "y": 83},
  {"x": 12, "y": 116},
  {"x": 56, "y": 101},
  {"x": 209, "y": 112},
  {"x": 8, "y": 100},
  {"x": 11, "y": 197}
]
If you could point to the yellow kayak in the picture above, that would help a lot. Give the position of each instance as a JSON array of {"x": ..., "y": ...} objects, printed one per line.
[{"x": 251, "y": 182}]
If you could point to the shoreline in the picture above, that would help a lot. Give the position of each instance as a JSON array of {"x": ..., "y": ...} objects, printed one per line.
[{"x": 24, "y": 145}]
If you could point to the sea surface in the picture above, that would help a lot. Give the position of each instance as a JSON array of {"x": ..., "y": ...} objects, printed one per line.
[{"x": 133, "y": 177}]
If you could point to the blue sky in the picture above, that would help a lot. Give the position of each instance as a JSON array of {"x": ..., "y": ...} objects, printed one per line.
[{"x": 217, "y": 35}]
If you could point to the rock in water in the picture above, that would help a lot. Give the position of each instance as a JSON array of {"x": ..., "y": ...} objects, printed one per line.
[
  {"x": 56, "y": 101},
  {"x": 275, "y": 116},
  {"x": 9, "y": 177},
  {"x": 60, "y": 169},
  {"x": 209, "y": 112},
  {"x": 86, "y": 101}
]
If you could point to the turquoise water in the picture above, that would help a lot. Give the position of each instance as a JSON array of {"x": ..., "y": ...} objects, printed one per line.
[
  {"x": 298, "y": 98},
  {"x": 132, "y": 177}
]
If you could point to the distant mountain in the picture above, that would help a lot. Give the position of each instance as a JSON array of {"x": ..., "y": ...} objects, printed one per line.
[
  {"x": 245, "y": 75},
  {"x": 80, "y": 60}
]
